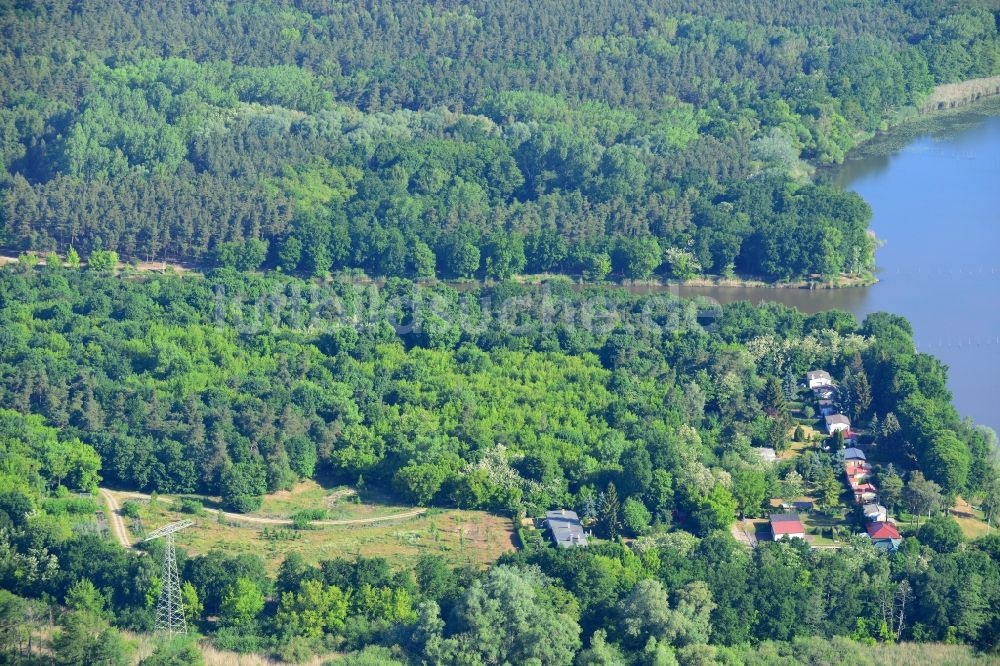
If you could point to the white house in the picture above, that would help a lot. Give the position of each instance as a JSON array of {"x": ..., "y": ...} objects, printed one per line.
[
  {"x": 817, "y": 378},
  {"x": 787, "y": 526},
  {"x": 875, "y": 513},
  {"x": 836, "y": 422}
]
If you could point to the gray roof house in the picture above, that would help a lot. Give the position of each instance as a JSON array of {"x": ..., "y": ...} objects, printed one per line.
[
  {"x": 852, "y": 454},
  {"x": 824, "y": 392},
  {"x": 875, "y": 513},
  {"x": 817, "y": 378},
  {"x": 567, "y": 531},
  {"x": 836, "y": 422}
]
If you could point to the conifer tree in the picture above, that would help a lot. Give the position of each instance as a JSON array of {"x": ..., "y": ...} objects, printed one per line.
[{"x": 609, "y": 512}]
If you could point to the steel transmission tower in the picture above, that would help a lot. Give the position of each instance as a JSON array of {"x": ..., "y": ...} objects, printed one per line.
[{"x": 169, "y": 608}]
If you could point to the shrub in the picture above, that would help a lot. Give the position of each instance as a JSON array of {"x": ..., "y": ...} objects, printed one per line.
[
  {"x": 234, "y": 640},
  {"x": 70, "y": 505},
  {"x": 300, "y": 523},
  {"x": 192, "y": 506},
  {"x": 177, "y": 652},
  {"x": 310, "y": 514},
  {"x": 373, "y": 655},
  {"x": 131, "y": 509},
  {"x": 299, "y": 649},
  {"x": 636, "y": 516}
]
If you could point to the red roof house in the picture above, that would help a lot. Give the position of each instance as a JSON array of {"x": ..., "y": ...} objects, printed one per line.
[
  {"x": 883, "y": 530},
  {"x": 864, "y": 492},
  {"x": 884, "y": 535},
  {"x": 787, "y": 526}
]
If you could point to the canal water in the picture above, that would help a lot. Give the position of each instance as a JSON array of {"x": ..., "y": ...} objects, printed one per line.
[{"x": 935, "y": 195}]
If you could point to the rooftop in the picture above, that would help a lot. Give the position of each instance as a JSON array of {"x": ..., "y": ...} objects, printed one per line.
[
  {"x": 566, "y": 528},
  {"x": 786, "y": 523},
  {"x": 883, "y": 530}
]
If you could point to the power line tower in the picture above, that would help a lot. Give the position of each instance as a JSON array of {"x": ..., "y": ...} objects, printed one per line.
[{"x": 169, "y": 608}]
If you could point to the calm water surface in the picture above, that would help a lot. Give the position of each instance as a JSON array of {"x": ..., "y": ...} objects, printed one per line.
[{"x": 936, "y": 204}]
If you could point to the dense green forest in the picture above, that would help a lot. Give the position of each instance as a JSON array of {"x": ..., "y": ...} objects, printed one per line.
[
  {"x": 286, "y": 147},
  {"x": 637, "y": 411},
  {"x": 504, "y": 398},
  {"x": 463, "y": 139}
]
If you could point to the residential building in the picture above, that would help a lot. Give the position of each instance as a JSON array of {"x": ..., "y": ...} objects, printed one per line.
[
  {"x": 836, "y": 422},
  {"x": 852, "y": 453},
  {"x": 817, "y": 378},
  {"x": 787, "y": 526},
  {"x": 566, "y": 529},
  {"x": 884, "y": 535},
  {"x": 875, "y": 513},
  {"x": 864, "y": 492},
  {"x": 824, "y": 392},
  {"x": 858, "y": 473}
]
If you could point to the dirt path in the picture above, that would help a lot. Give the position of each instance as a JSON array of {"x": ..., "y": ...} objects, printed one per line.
[
  {"x": 257, "y": 520},
  {"x": 744, "y": 532},
  {"x": 117, "y": 522}
]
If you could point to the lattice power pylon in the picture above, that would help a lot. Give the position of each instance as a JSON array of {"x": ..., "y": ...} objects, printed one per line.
[{"x": 169, "y": 608}]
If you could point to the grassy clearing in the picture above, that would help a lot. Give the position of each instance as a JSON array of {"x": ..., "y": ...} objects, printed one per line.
[
  {"x": 797, "y": 448},
  {"x": 462, "y": 537},
  {"x": 339, "y": 502},
  {"x": 919, "y": 654},
  {"x": 840, "y": 650},
  {"x": 972, "y": 528},
  {"x": 144, "y": 644},
  {"x": 972, "y": 521}
]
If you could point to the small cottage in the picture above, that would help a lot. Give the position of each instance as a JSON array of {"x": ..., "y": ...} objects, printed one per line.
[
  {"x": 852, "y": 453},
  {"x": 566, "y": 529},
  {"x": 837, "y": 422},
  {"x": 787, "y": 526},
  {"x": 864, "y": 492},
  {"x": 884, "y": 535},
  {"x": 818, "y": 378},
  {"x": 875, "y": 513}
]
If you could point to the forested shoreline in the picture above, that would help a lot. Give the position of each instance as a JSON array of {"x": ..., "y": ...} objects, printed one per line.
[
  {"x": 362, "y": 187},
  {"x": 627, "y": 139},
  {"x": 509, "y": 399}
]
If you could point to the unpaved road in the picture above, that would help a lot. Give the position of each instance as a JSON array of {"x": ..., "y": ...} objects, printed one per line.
[
  {"x": 121, "y": 532},
  {"x": 744, "y": 532},
  {"x": 117, "y": 522}
]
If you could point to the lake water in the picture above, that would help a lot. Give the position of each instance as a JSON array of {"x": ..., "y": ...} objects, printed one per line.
[{"x": 936, "y": 204}]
